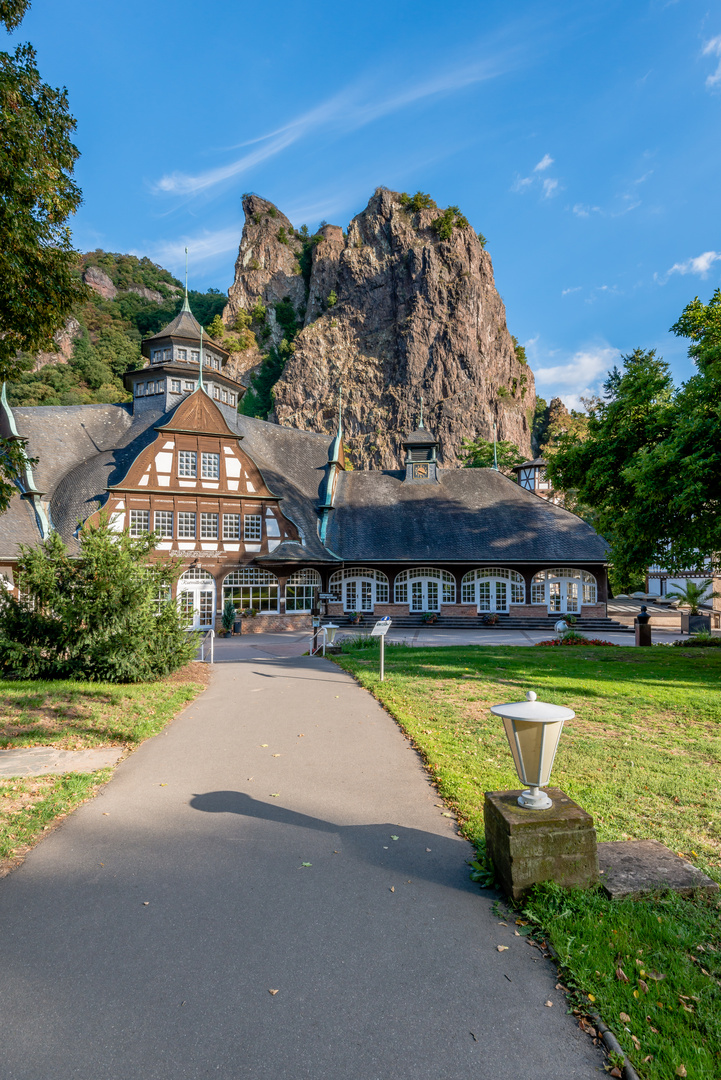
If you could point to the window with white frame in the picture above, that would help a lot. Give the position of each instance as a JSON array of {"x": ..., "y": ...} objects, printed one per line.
[
  {"x": 163, "y": 523},
  {"x": 150, "y": 388},
  {"x": 514, "y": 591},
  {"x": 425, "y": 574},
  {"x": 160, "y": 598},
  {"x": 543, "y": 581},
  {"x": 167, "y": 355},
  {"x": 139, "y": 522},
  {"x": 188, "y": 387},
  {"x": 160, "y": 387},
  {"x": 300, "y": 589},
  {"x": 359, "y": 588},
  {"x": 216, "y": 393},
  {"x": 187, "y": 463},
  {"x": 186, "y": 525},
  {"x": 225, "y": 396},
  {"x": 157, "y": 356},
  {"x": 139, "y": 389},
  {"x": 208, "y": 526},
  {"x": 175, "y": 386},
  {"x": 217, "y": 363},
  {"x": 210, "y": 466},
  {"x": 231, "y": 400},
  {"x": 252, "y": 526},
  {"x": 194, "y": 356},
  {"x": 183, "y": 354},
  {"x": 231, "y": 526},
  {"x": 251, "y": 588}
]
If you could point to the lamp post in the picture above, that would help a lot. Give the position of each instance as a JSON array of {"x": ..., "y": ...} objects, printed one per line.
[{"x": 533, "y": 729}]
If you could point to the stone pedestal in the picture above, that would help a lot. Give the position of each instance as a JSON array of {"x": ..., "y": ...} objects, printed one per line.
[
  {"x": 531, "y": 846},
  {"x": 643, "y": 633}
]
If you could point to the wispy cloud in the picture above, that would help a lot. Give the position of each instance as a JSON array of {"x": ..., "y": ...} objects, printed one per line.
[
  {"x": 549, "y": 185},
  {"x": 545, "y": 163},
  {"x": 583, "y": 211},
  {"x": 567, "y": 292},
  {"x": 699, "y": 264},
  {"x": 713, "y": 48},
  {"x": 353, "y": 107},
  {"x": 577, "y": 376},
  {"x": 204, "y": 247}
]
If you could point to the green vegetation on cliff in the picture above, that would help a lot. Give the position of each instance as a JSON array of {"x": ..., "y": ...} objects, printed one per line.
[{"x": 109, "y": 332}]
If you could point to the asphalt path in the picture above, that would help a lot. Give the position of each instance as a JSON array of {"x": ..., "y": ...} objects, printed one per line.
[{"x": 280, "y": 835}]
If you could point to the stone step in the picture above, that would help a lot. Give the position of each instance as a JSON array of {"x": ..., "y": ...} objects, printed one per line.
[{"x": 411, "y": 622}]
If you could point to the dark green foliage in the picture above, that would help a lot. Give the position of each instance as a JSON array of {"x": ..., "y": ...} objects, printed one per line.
[
  {"x": 94, "y": 617},
  {"x": 451, "y": 218},
  {"x": 478, "y": 454},
  {"x": 286, "y": 318},
  {"x": 273, "y": 212},
  {"x": 332, "y": 298},
  {"x": 228, "y": 616},
  {"x": 112, "y": 331},
  {"x": 39, "y": 286},
  {"x": 12, "y": 12},
  {"x": 258, "y": 399},
  {"x": 539, "y": 424},
  {"x": 419, "y": 201},
  {"x": 283, "y": 237},
  {"x": 481, "y": 239},
  {"x": 519, "y": 350},
  {"x": 13, "y": 462}
]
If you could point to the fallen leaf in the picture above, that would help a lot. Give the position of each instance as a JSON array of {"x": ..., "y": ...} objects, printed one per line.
[
  {"x": 635, "y": 993},
  {"x": 624, "y": 1018},
  {"x": 146, "y": 903},
  {"x": 704, "y": 971},
  {"x": 394, "y": 837},
  {"x": 591, "y": 997},
  {"x": 307, "y": 864},
  {"x": 274, "y": 795},
  {"x": 336, "y": 852},
  {"x": 105, "y": 813},
  {"x": 163, "y": 785},
  {"x": 264, "y": 745},
  {"x": 428, "y": 849},
  {"x": 516, "y": 934},
  {"x": 655, "y": 976},
  {"x": 649, "y": 1057},
  {"x": 643, "y": 987},
  {"x": 681, "y": 1071},
  {"x": 615, "y": 1071},
  {"x": 273, "y": 992},
  {"x": 275, "y": 755},
  {"x": 621, "y": 975},
  {"x": 503, "y": 924},
  {"x": 549, "y": 1004},
  {"x": 636, "y": 1041},
  {"x": 393, "y": 888},
  {"x": 501, "y": 948}
]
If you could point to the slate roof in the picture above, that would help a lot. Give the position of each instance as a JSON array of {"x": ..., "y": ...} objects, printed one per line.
[
  {"x": 185, "y": 326},
  {"x": 471, "y": 515},
  {"x": 420, "y": 436}
]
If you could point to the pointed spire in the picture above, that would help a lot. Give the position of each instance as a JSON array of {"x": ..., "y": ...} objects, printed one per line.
[{"x": 186, "y": 305}]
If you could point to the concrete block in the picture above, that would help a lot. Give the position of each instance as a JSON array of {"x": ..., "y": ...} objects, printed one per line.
[
  {"x": 531, "y": 846},
  {"x": 634, "y": 867}
]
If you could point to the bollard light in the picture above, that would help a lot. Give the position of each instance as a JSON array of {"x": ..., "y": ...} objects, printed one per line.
[
  {"x": 330, "y": 632},
  {"x": 533, "y": 729}
]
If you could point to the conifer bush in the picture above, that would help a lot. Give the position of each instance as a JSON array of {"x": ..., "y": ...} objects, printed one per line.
[{"x": 105, "y": 614}]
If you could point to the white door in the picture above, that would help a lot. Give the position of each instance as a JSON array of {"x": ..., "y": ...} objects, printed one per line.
[
  {"x": 563, "y": 597},
  {"x": 424, "y": 595},
  {"x": 358, "y": 595},
  {"x": 197, "y": 604},
  {"x": 493, "y": 596}
]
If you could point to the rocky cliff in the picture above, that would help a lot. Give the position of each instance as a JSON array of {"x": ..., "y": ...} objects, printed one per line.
[{"x": 401, "y": 306}]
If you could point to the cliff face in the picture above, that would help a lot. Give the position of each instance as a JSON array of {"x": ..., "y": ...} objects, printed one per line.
[{"x": 391, "y": 311}]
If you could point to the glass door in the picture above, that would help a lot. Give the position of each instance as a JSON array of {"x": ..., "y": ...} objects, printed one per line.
[
  {"x": 571, "y": 590},
  {"x": 351, "y": 596},
  {"x": 555, "y": 600},
  {"x": 432, "y": 596},
  {"x": 501, "y": 596},
  {"x": 563, "y": 597},
  {"x": 197, "y": 604},
  {"x": 366, "y": 595},
  {"x": 417, "y": 596}
]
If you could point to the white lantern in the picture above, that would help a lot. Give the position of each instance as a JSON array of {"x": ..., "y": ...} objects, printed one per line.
[
  {"x": 330, "y": 632},
  {"x": 533, "y": 729}
]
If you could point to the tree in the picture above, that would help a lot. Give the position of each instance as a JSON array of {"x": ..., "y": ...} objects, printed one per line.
[
  {"x": 650, "y": 464},
  {"x": 105, "y": 615},
  {"x": 478, "y": 454}
]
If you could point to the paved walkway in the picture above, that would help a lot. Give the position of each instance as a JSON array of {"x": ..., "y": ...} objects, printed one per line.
[{"x": 143, "y": 937}]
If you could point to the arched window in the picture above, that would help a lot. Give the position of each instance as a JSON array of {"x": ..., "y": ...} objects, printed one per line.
[
  {"x": 299, "y": 590},
  {"x": 359, "y": 588},
  {"x": 251, "y": 588},
  {"x": 563, "y": 589},
  {"x": 424, "y": 588},
  {"x": 195, "y": 573},
  {"x": 493, "y": 588}
]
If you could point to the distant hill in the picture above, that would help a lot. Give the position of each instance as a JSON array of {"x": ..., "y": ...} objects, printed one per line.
[{"x": 129, "y": 299}]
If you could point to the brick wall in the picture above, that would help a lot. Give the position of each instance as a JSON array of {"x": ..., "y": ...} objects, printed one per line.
[{"x": 271, "y": 624}]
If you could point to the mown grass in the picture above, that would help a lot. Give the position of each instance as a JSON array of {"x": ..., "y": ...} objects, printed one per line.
[
  {"x": 74, "y": 716},
  {"x": 642, "y": 756}
]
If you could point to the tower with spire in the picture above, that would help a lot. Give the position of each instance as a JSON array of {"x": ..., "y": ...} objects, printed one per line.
[{"x": 181, "y": 358}]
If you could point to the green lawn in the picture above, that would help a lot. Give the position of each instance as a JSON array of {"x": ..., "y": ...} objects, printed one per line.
[
  {"x": 643, "y": 757},
  {"x": 72, "y": 716}
]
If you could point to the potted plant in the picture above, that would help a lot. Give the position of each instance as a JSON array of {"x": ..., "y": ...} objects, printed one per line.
[
  {"x": 490, "y": 618},
  {"x": 250, "y": 612},
  {"x": 692, "y": 596},
  {"x": 354, "y": 617},
  {"x": 228, "y": 618},
  {"x": 429, "y": 617}
]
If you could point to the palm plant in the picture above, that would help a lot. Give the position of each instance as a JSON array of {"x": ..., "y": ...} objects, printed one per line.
[{"x": 693, "y": 595}]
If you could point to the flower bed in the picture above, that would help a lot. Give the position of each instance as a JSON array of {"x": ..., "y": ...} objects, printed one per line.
[{"x": 574, "y": 639}]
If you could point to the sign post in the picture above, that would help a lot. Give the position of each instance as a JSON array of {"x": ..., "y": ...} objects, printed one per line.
[{"x": 380, "y": 630}]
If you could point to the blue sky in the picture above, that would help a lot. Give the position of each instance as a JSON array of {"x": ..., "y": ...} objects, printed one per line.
[{"x": 582, "y": 139}]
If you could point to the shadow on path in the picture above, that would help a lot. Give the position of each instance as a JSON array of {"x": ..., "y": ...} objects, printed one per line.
[{"x": 414, "y": 852}]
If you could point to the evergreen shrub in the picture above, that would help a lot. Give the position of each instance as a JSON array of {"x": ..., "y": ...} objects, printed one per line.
[{"x": 105, "y": 614}]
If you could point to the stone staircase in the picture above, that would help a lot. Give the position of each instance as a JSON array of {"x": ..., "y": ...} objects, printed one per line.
[{"x": 594, "y": 627}]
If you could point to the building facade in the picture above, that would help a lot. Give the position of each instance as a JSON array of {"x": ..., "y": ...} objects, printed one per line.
[{"x": 268, "y": 517}]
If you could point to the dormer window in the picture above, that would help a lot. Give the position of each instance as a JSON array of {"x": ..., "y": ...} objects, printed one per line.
[
  {"x": 167, "y": 355},
  {"x": 139, "y": 389},
  {"x": 195, "y": 356},
  {"x": 217, "y": 363},
  {"x": 175, "y": 386},
  {"x": 183, "y": 355},
  {"x": 157, "y": 356},
  {"x": 216, "y": 393}
]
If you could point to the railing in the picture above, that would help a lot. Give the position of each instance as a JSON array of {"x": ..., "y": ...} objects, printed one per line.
[{"x": 203, "y": 644}]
